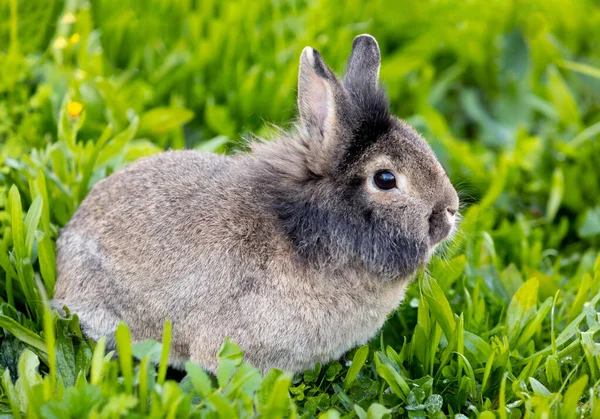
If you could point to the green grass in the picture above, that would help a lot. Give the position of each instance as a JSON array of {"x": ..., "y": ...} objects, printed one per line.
[{"x": 503, "y": 325}]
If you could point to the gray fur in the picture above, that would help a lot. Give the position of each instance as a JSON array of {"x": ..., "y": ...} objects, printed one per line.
[{"x": 289, "y": 248}]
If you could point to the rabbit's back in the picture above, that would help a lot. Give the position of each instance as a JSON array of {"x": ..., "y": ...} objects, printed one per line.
[
  {"x": 184, "y": 236},
  {"x": 138, "y": 245},
  {"x": 144, "y": 214}
]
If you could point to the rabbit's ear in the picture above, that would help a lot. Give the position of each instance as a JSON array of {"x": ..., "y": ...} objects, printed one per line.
[
  {"x": 316, "y": 90},
  {"x": 362, "y": 71}
]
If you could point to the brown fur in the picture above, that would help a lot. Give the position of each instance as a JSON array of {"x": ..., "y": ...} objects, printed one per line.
[{"x": 289, "y": 249}]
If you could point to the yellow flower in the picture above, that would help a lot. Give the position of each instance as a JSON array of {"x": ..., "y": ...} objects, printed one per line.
[
  {"x": 74, "y": 109},
  {"x": 75, "y": 38}
]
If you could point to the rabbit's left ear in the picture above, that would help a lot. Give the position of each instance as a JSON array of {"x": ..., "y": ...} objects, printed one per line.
[
  {"x": 317, "y": 86},
  {"x": 362, "y": 71}
]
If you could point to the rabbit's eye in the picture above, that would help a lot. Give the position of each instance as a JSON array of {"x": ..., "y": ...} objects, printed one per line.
[{"x": 384, "y": 179}]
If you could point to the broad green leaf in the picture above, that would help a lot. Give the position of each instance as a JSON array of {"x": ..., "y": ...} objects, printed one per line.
[
  {"x": 572, "y": 396},
  {"x": 478, "y": 347},
  {"x": 538, "y": 388},
  {"x": 391, "y": 376},
  {"x": 65, "y": 353},
  {"x": 29, "y": 379},
  {"x": 200, "y": 379},
  {"x": 521, "y": 307},
  {"x": 268, "y": 384},
  {"x": 22, "y": 333},
  {"x": 246, "y": 380},
  {"x": 230, "y": 350},
  {"x": 438, "y": 304},
  {"x": 161, "y": 120},
  {"x": 279, "y": 399},
  {"x": 332, "y": 371},
  {"x": 225, "y": 371},
  {"x": 360, "y": 356}
]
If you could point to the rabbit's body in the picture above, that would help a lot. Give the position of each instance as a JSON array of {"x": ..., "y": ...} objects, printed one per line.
[
  {"x": 235, "y": 279},
  {"x": 297, "y": 250}
]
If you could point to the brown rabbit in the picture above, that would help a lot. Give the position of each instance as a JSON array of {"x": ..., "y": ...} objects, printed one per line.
[{"x": 298, "y": 250}]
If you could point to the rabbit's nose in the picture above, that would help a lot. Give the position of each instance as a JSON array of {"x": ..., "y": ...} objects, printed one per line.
[{"x": 441, "y": 222}]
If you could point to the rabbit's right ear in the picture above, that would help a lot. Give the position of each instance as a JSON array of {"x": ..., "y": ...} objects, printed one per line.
[
  {"x": 362, "y": 71},
  {"x": 316, "y": 93}
]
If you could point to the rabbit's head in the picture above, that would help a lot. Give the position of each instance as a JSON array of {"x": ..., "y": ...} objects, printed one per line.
[{"x": 355, "y": 185}]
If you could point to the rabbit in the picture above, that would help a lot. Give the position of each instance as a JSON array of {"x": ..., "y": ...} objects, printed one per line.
[{"x": 297, "y": 249}]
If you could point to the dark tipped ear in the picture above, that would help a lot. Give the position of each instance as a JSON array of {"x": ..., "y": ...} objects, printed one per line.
[
  {"x": 316, "y": 84},
  {"x": 362, "y": 71}
]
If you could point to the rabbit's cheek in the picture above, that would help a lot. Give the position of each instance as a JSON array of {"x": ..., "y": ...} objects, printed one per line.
[{"x": 388, "y": 200}]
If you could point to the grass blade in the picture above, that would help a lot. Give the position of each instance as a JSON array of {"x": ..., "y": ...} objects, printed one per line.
[
  {"x": 123, "y": 338},
  {"x": 164, "y": 357},
  {"x": 22, "y": 333}
]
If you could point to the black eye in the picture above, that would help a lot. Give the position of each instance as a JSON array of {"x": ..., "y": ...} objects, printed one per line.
[{"x": 384, "y": 179}]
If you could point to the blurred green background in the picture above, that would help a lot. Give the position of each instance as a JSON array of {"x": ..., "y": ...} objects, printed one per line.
[{"x": 506, "y": 92}]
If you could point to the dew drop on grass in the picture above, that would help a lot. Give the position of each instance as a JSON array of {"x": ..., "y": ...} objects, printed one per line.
[
  {"x": 411, "y": 399},
  {"x": 566, "y": 359},
  {"x": 434, "y": 403}
]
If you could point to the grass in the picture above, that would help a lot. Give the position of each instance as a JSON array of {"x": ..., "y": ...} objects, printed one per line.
[{"x": 503, "y": 324}]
